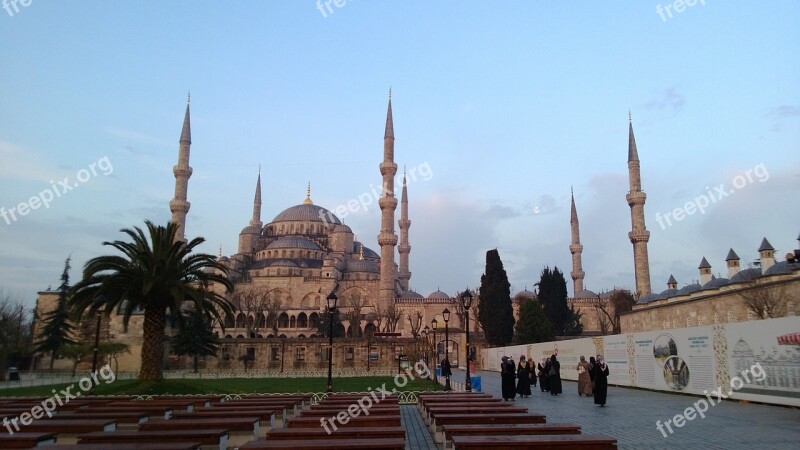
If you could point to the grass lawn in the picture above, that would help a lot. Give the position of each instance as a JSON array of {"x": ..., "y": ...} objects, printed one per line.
[{"x": 233, "y": 386}]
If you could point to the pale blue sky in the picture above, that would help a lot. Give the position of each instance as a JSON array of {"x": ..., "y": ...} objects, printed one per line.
[{"x": 508, "y": 103}]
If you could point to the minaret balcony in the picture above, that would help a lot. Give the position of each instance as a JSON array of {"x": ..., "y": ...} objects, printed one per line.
[{"x": 387, "y": 202}]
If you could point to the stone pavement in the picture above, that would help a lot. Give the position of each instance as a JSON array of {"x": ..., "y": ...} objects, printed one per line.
[
  {"x": 630, "y": 416},
  {"x": 418, "y": 435}
]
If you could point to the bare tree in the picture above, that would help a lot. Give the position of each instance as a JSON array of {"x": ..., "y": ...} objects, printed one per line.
[
  {"x": 15, "y": 330},
  {"x": 415, "y": 319},
  {"x": 610, "y": 308},
  {"x": 388, "y": 317},
  {"x": 274, "y": 308},
  {"x": 253, "y": 302},
  {"x": 765, "y": 302},
  {"x": 354, "y": 303}
]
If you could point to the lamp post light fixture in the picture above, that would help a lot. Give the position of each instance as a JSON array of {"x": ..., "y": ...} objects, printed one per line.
[
  {"x": 446, "y": 316},
  {"x": 434, "y": 326},
  {"x": 466, "y": 302},
  {"x": 331, "y": 309}
]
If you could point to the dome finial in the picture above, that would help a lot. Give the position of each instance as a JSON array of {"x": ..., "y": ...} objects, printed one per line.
[
  {"x": 188, "y": 96},
  {"x": 220, "y": 250},
  {"x": 308, "y": 201},
  {"x": 390, "y": 93},
  {"x": 629, "y": 116}
]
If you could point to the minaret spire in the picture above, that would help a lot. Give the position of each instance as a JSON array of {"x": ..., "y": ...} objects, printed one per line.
[
  {"x": 387, "y": 239},
  {"x": 179, "y": 205},
  {"x": 256, "y": 220},
  {"x": 639, "y": 236},
  {"x": 308, "y": 201},
  {"x": 404, "y": 248},
  {"x": 576, "y": 249}
]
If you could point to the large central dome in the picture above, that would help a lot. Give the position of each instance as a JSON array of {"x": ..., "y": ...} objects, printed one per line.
[{"x": 307, "y": 213}]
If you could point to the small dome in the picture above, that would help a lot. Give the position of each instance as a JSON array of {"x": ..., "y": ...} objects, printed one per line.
[
  {"x": 586, "y": 293},
  {"x": 525, "y": 294},
  {"x": 782, "y": 267},
  {"x": 251, "y": 229},
  {"x": 294, "y": 242},
  {"x": 368, "y": 253},
  {"x": 689, "y": 288},
  {"x": 282, "y": 262},
  {"x": 362, "y": 265},
  {"x": 715, "y": 283},
  {"x": 647, "y": 299},
  {"x": 438, "y": 294},
  {"x": 410, "y": 294},
  {"x": 746, "y": 275},
  {"x": 307, "y": 213},
  {"x": 668, "y": 293}
]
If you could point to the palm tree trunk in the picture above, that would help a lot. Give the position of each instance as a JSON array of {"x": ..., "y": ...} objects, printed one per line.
[{"x": 152, "y": 348}]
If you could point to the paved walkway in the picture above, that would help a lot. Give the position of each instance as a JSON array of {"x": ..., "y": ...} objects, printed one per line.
[
  {"x": 630, "y": 416},
  {"x": 418, "y": 435}
]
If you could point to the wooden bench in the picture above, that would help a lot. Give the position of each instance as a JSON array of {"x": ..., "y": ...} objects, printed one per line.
[
  {"x": 135, "y": 446},
  {"x": 67, "y": 431},
  {"x": 27, "y": 440},
  {"x": 210, "y": 439},
  {"x": 175, "y": 405},
  {"x": 555, "y": 441},
  {"x": 470, "y": 408},
  {"x": 435, "y": 412},
  {"x": 266, "y": 418},
  {"x": 240, "y": 429},
  {"x": 304, "y": 444},
  {"x": 506, "y": 430},
  {"x": 125, "y": 420},
  {"x": 481, "y": 419},
  {"x": 360, "y": 421},
  {"x": 341, "y": 433},
  {"x": 152, "y": 411}
]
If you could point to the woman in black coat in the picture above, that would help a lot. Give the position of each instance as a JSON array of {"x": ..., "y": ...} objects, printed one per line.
[
  {"x": 555, "y": 378},
  {"x": 507, "y": 375},
  {"x": 523, "y": 378},
  {"x": 592, "y": 363},
  {"x": 600, "y": 381}
]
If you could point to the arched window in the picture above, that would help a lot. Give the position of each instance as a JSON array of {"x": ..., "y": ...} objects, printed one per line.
[
  {"x": 292, "y": 322},
  {"x": 283, "y": 321},
  {"x": 241, "y": 320},
  {"x": 302, "y": 320},
  {"x": 313, "y": 320}
]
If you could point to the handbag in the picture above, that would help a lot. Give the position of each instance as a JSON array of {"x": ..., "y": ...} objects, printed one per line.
[{"x": 552, "y": 372}]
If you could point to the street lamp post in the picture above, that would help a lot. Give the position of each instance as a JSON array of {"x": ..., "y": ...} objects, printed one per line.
[
  {"x": 434, "y": 325},
  {"x": 466, "y": 302},
  {"x": 446, "y": 316},
  {"x": 331, "y": 308},
  {"x": 425, "y": 344},
  {"x": 96, "y": 348}
]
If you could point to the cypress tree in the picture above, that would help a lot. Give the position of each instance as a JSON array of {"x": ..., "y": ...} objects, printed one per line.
[
  {"x": 195, "y": 337},
  {"x": 533, "y": 325},
  {"x": 495, "y": 313},
  {"x": 564, "y": 320},
  {"x": 57, "y": 330}
]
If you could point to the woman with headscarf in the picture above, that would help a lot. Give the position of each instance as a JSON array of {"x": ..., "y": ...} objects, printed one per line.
[
  {"x": 600, "y": 381},
  {"x": 592, "y": 363},
  {"x": 584, "y": 380},
  {"x": 542, "y": 369},
  {"x": 523, "y": 378},
  {"x": 507, "y": 374},
  {"x": 555, "y": 376}
]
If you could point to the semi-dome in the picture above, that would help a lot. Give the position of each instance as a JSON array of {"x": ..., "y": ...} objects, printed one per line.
[
  {"x": 525, "y": 294},
  {"x": 293, "y": 242},
  {"x": 668, "y": 293},
  {"x": 281, "y": 262},
  {"x": 411, "y": 294},
  {"x": 438, "y": 294},
  {"x": 306, "y": 213},
  {"x": 647, "y": 298},
  {"x": 586, "y": 293},
  {"x": 362, "y": 265},
  {"x": 368, "y": 253},
  {"x": 251, "y": 229}
]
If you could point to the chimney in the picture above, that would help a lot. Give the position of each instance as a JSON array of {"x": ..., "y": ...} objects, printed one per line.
[
  {"x": 767, "y": 255},
  {"x": 733, "y": 263},
  {"x": 705, "y": 271}
]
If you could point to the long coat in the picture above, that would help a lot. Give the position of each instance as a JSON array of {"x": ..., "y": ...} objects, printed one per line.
[
  {"x": 507, "y": 376},
  {"x": 600, "y": 384},
  {"x": 523, "y": 379},
  {"x": 584, "y": 378},
  {"x": 544, "y": 382},
  {"x": 555, "y": 380}
]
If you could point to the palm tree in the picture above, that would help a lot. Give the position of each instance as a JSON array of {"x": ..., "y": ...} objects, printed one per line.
[{"x": 158, "y": 277}]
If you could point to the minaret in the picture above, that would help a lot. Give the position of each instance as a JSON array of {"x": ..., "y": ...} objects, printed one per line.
[
  {"x": 256, "y": 220},
  {"x": 638, "y": 234},
  {"x": 388, "y": 203},
  {"x": 178, "y": 205},
  {"x": 576, "y": 249},
  {"x": 404, "y": 248}
]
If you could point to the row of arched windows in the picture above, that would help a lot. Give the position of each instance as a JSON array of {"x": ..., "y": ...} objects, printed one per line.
[{"x": 285, "y": 320}]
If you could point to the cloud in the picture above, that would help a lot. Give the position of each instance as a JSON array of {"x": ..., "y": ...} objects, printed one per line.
[
  {"x": 779, "y": 114},
  {"x": 25, "y": 164},
  {"x": 669, "y": 100}
]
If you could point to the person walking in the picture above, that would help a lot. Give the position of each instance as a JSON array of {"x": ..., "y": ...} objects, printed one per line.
[
  {"x": 542, "y": 368},
  {"x": 523, "y": 378},
  {"x": 592, "y": 363},
  {"x": 554, "y": 375},
  {"x": 445, "y": 366},
  {"x": 600, "y": 381},
  {"x": 507, "y": 378},
  {"x": 584, "y": 380}
]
